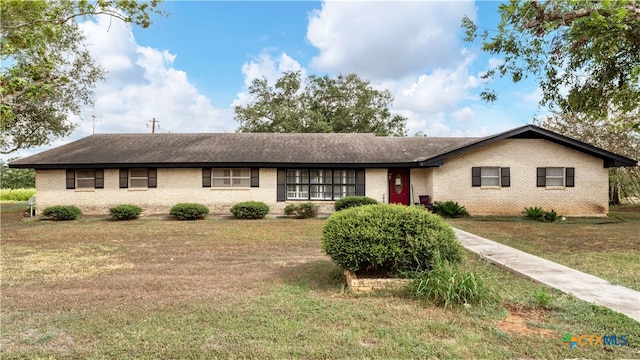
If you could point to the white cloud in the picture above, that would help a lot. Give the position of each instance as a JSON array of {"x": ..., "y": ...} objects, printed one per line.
[
  {"x": 268, "y": 67},
  {"x": 142, "y": 84},
  {"x": 435, "y": 97},
  {"x": 265, "y": 66},
  {"x": 464, "y": 115},
  {"x": 533, "y": 97},
  {"x": 428, "y": 124},
  {"x": 495, "y": 62},
  {"x": 386, "y": 39},
  {"x": 438, "y": 91}
]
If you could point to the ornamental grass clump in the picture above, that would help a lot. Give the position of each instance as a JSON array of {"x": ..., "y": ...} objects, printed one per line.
[
  {"x": 449, "y": 209},
  {"x": 446, "y": 285},
  {"x": 389, "y": 237},
  {"x": 536, "y": 213}
]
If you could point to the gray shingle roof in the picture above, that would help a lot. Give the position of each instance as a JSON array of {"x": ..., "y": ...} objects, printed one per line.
[
  {"x": 246, "y": 148},
  {"x": 276, "y": 150}
]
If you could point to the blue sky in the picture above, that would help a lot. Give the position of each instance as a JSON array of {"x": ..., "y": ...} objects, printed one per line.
[{"x": 189, "y": 70}]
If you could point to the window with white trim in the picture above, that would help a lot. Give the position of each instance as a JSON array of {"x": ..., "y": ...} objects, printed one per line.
[
  {"x": 490, "y": 176},
  {"x": 555, "y": 177},
  {"x": 85, "y": 178},
  {"x": 138, "y": 178},
  {"x": 297, "y": 184},
  {"x": 230, "y": 177},
  {"x": 319, "y": 184},
  {"x": 240, "y": 177}
]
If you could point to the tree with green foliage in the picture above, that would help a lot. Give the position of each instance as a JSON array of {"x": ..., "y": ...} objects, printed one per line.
[
  {"x": 47, "y": 71},
  {"x": 584, "y": 54},
  {"x": 16, "y": 178},
  {"x": 320, "y": 104}
]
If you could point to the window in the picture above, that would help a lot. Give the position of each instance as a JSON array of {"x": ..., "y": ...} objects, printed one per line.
[
  {"x": 319, "y": 184},
  {"x": 85, "y": 178},
  {"x": 297, "y": 184},
  {"x": 344, "y": 183},
  {"x": 490, "y": 176},
  {"x": 555, "y": 177},
  {"x": 138, "y": 178},
  {"x": 230, "y": 177}
]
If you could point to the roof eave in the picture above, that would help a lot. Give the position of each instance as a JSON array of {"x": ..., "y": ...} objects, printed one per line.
[
  {"x": 609, "y": 159},
  {"x": 369, "y": 165}
]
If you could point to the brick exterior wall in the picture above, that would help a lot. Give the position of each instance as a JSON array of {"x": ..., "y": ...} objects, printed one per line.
[
  {"x": 175, "y": 186},
  {"x": 451, "y": 181},
  {"x": 421, "y": 183},
  {"x": 376, "y": 185},
  {"x": 589, "y": 197}
]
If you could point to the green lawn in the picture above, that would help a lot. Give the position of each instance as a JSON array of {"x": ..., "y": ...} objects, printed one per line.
[
  {"x": 605, "y": 247},
  {"x": 220, "y": 288}
]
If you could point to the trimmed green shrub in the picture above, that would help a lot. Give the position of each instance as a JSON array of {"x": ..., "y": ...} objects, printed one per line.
[
  {"x": 449, "y": 209},
  {"x": 250, "y": 210},
  {"x": 189, "y": 211},
  {"x": 446, "y": 284},
  {"x": 289, "y": 209},
  {"x": 125, "y": 212},
  {"x": 16, "y": 194},
  {"x": 389, "y": 237},
  {"x": 353, "y": 201},
  {"x": 302, "y": 211},
  {"x": 61, "y": 212}
]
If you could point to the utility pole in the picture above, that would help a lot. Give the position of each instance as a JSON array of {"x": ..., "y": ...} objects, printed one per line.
[
  {"x": 153, "y": 125},
  {"x": 95, "y": 118}
]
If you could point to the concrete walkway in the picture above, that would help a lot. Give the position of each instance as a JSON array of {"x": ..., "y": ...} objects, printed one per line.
[{"x": 583, "y": 286}]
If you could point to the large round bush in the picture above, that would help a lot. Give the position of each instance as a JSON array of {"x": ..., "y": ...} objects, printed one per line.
[
  {"x": 390, "y": 237},
  {"x": 250, "y": 210},
  {"x": 353, "y": 201}
]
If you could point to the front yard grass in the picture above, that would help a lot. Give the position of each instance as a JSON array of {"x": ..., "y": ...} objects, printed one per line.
[
  {"x": 215, "y": 288},
  {"x": 605, "y": 247}
]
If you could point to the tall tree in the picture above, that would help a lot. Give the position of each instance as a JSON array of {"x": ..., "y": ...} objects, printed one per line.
[
  {"x": 16, "y": 178},
  {"x": 47, "y": 72},
  {"x": 319, "y": 104},
  {"x": 584, "y": 54}
]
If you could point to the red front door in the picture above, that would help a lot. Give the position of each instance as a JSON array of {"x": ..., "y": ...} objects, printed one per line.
[{"x": 399, "y": 186}]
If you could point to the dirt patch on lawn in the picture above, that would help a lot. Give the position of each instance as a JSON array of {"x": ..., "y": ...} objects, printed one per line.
[{"x": 523, "y": 321}]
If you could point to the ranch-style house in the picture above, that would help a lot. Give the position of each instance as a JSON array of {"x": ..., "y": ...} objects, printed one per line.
[{"x": 499, "y": 174}]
